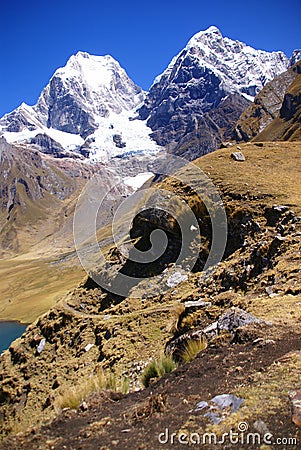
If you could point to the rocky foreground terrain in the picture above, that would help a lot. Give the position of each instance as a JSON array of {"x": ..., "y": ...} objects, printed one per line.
[{"x": 247, "y": 311}]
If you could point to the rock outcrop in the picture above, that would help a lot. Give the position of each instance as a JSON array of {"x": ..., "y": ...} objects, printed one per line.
[
  {"x": 268, "y": 105},
  {"x": 287, "y": 125},
  {"x": 211, "y": 129}
]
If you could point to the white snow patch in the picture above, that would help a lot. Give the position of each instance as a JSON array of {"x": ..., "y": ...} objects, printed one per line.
[
  {"x": 137, "y": 181},
  {"x": 248, "y": 97},
  {"x": 96, "y": 71},
  {"x": 68, "y": 141}
]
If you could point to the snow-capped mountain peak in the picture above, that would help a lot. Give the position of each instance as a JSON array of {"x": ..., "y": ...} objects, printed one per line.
[
  {"x": 97, "y": 84},
  {"x": 240, "y": 67},
  {"x": 211, "y": 35},
  {"x": 209, "y": 70},
  {"x": 95, "y": 71},
  {"x": 86, "y": 108}
]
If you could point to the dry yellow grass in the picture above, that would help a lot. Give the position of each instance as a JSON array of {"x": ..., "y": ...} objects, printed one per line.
[
  {"x": 267, "y": 173},
  {"x": 192, "y": 348},
  {"x": 29, "y": 288},
  {"x": 177, "y": 311},
  {"x": 72, "y": 397}
]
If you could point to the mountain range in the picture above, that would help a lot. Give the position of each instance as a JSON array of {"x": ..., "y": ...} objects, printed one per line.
[
  {"x": 92, "y": 109},
  {"x": 91, "y": 117}
]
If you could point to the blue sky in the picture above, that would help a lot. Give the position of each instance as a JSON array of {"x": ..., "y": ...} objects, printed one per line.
[{"x": 36, "y": 37}]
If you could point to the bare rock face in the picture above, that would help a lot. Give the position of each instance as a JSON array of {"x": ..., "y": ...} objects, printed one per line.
[
  {"x": 287, "y": 125},
  {"x": 212, "y": 128},
  {"x": 48, "y": 145},
  {"x": 66, "y": 111},
  {"x": 292, "y": 98},
  {"x": 176, "y": 108},
  {"x": 198, "y": 80},
  {"x": 266, "y": 106}
]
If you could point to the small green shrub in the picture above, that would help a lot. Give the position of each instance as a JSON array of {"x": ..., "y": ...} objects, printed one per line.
[
  {"x": 166, "y": 365},
  {"x": 151, "y": 371},
  {"x": 157, "y": 368},
  {"x": 192, "y": 348}
]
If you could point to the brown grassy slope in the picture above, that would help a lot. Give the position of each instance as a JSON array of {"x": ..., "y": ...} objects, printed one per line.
[
  {"x": 38, "y": 194},
  {"x": 270, "y": 174},
  {"x": 129, "y": 331},
  {"x": 28, "y": 288}
]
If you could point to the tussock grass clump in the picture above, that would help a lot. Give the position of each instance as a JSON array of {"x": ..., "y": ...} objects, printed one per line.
[
  {"x": 157, "y": 368},
  {"x": 125, "y": 385},
  {"x": 192, "y": 348},
  {"x": 166, "y": 364},
  {"x": 150, "y": 372},
  {"x": 176, "y": 318},
  {"x": 72, "y": 397}
]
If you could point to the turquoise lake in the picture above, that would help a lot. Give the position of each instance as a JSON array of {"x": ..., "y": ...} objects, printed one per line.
[{"x": 9, "y": 331}]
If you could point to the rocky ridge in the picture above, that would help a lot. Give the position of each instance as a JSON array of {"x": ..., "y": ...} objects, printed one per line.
[
  {"x": 269, "y": 105},
  {"x": 286, "y": 126}
]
